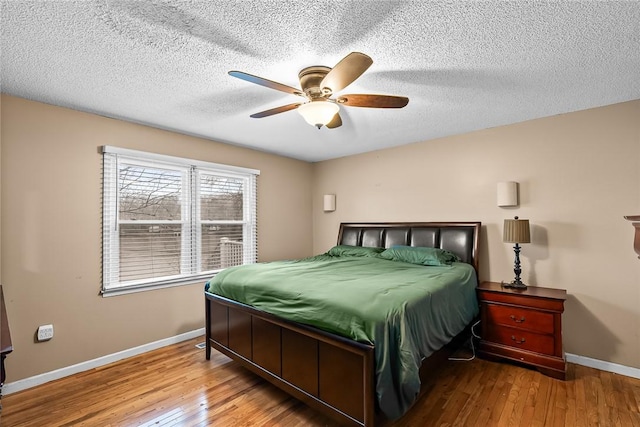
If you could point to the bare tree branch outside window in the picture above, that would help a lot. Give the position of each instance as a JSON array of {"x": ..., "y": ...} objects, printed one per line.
[{"x": 149, "y": 194}]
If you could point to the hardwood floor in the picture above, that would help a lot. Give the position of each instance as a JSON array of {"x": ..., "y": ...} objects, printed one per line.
[{"x": 176, "y": 386}]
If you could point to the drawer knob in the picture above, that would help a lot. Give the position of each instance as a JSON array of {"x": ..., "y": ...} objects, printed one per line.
[
  {"x": 520, "y": 320},
  {"x": 518, "y": 341}
]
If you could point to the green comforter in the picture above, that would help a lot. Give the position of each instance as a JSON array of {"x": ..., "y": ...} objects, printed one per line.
[{"x": 407, "y": 311}]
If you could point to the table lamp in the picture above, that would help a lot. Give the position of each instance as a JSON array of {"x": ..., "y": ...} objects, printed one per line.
[{"x": 516, "y": 231}]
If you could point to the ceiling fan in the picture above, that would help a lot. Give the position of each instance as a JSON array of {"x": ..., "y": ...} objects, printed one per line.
[{"x": 318, "y": 84}]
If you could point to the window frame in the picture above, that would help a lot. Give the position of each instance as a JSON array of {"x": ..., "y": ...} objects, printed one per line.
[{"x": 190, "y": 239}]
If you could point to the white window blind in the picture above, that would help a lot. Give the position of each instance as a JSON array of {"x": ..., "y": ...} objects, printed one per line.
[{"x": 169, "y": 220}]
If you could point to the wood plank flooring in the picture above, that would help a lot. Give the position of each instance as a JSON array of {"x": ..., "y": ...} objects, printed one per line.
[{"x": 176, "y": 386}]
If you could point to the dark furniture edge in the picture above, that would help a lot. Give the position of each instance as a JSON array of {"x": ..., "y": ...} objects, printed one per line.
[{"x": 6, "y": 345}]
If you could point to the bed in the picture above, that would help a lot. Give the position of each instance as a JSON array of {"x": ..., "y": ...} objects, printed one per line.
[{"x": 356, "y": 370}]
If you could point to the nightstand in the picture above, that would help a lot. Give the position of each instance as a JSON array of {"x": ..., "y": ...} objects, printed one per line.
[{"x": 524, "y": 326}]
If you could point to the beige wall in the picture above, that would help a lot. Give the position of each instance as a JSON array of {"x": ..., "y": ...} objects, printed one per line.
[
  {"x": 51, "y": 241},
  {"x": 579, "y": 174}
]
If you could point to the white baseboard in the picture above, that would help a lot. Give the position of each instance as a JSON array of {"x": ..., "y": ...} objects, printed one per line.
[
  {"x": 603, "y": 366},
  {"x": 94, "y": 363}
]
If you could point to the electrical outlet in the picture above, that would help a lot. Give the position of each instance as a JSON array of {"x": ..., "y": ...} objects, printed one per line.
[{"x": 45, "y": 332}]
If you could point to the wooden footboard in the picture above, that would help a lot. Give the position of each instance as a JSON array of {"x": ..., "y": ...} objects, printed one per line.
[{"x": 333, "y": 374}]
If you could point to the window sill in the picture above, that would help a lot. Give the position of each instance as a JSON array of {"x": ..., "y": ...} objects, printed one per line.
[{"x": 125, "y": 290}]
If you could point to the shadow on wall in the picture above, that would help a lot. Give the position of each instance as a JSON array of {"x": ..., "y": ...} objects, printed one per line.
[
  {"x": 564, "y": 235},
  {"x": 484, "y": 269},
  {"x": 587, "y": 332},
  {"x": 538, "y": 250}
]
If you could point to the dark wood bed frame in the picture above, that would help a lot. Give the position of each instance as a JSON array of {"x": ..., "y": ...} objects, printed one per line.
[{"x": 328, "y": 372}]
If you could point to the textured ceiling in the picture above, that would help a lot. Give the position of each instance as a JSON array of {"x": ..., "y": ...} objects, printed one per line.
[{"x": 464, "y": 65}]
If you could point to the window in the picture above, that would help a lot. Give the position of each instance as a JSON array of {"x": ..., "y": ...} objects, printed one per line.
[{"x": 168, "y": 220}]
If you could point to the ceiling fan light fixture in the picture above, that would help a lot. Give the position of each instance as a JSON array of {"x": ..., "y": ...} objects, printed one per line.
[
  {"x": 319, "y": 83},
  {"x": 318, "y": 113}
]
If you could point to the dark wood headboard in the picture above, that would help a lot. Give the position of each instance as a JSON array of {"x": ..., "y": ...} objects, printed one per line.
[{"x": 461, "y": 238}]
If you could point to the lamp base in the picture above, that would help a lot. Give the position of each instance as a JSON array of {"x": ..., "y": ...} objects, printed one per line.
[{"x": 516, "y": 284}]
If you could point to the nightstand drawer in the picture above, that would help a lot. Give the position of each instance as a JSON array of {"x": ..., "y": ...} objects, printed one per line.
[
  {"x": 518, "y": 338},
  {"x": 522, "y": 318}
]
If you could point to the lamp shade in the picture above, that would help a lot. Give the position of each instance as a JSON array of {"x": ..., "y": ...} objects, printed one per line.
[
  {"x": 329, "y": 204},
  {"x": 507, "y": 194},
  {"x": 516, "y": 231},
  {"x": 318, "y": 113}
]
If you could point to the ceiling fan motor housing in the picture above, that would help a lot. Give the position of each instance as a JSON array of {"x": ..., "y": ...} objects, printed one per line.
[{"x": 310, "y": 79}]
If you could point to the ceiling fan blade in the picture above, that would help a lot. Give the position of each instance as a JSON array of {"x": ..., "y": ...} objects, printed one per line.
[
  {"x": 276, "y": 110},
  {"x": 336, "y": 122},
  {"x": 265, "y": 82},
  {"x": 346, "y": 71},
  {"x": 373, "y": 101}
]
